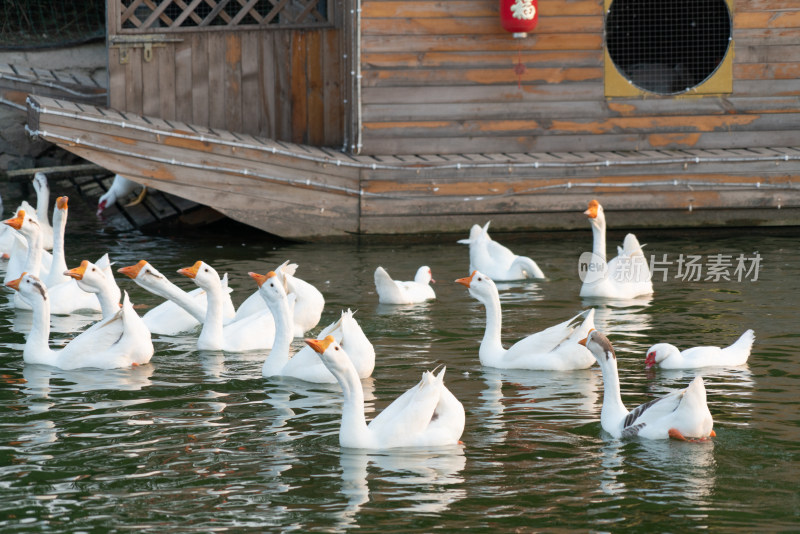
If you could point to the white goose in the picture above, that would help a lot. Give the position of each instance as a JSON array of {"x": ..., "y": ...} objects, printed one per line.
[
  {"x": 555, "y": 348},
  {"x": 254, "y": 332},
  {"x": 427, "y": 415},
  {"x": 680, "y": 415},
  {"x": 66, "y": 295},
  {"x": 668, "y": 356},
  {"x": 396, "y": 292},
  {"x": 98, "y": 280},
  {"x": 42, "y": 206},
  {"x": 120, "y": 188},
  {"x": 28, "y": 226},
  {"x": 120, "y": 341},
  {"x": 308, "y": 304},
  {"x": 181, "y": 311},
  {"x": 625, "y": 277},
  {"x": 496, "y": 260},
  {"x": 305, "y": 365},
  {"x": 8, "y": 245}
]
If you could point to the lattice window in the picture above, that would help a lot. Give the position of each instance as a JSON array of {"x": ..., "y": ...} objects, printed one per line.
[
  {"x": 176, "y": 15},
  {"x": 668, "y": 47}
]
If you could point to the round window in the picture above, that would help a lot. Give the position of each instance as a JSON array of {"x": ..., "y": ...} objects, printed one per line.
[{"x": 667, "y": 46}]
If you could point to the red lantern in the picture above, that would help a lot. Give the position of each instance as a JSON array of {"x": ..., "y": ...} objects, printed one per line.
[{"x": 519, "y": 16}]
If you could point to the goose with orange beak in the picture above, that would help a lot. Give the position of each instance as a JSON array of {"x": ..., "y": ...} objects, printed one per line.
[
  {"x": 427, "y": 415},
  {"x": 305, "y": 365},
  {"x": 67, "y": 296},
  {"x": 182, "y": 311},
  {"x": 624, "y": 277},
  {"x": 555, "y": 348},
  {"x": 253, "y": 332},
  {"x": 682, "y": 414},
  {"x": 119, "y": 341}
]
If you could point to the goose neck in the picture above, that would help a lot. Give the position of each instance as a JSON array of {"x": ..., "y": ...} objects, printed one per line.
[
  {"x": 212, "y": 331},
  {"x": 171, "y": 292},
  {"x": 354, "y": 431},
  {"x": 491, "y": 343},
  {"x": 109, "y": 300},
  {"x": 38, "y": 340},
  {"x": 599, "y": 240},
  {"x": 613, "y": 411},
  {"x": 33, "y": 261},
  {"x": 279, "y": 354}
]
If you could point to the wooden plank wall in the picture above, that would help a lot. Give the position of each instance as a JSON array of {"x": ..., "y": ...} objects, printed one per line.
[
  {"x": 281, "y": 84},
  {"x": 438, "y": 77}
]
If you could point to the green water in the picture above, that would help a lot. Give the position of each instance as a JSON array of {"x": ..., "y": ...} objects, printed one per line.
[{"x": 200, "y": 442}]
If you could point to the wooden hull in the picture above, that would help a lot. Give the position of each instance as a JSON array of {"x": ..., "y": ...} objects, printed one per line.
[{"x": 311, "y": 193}]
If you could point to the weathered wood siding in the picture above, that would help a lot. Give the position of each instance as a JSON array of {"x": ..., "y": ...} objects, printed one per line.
[
  {"x": 439, "y": 78},
  {"x": 285, "y": 84}
]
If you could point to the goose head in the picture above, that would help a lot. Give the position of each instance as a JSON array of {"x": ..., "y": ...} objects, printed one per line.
[
  {"x": 599, "y": 345},
  {"x": 424, "y": 275},
  {"x": 331, "y": 353},
  {"x": 145, "y": 275},
  {"x": 29, "y": 287},
  {"x": 596, "y": 215},
  {"x": 89, "y": 276},
  {"x": 658, "y": 353},
  {"x": 24, "y": 223},
  {"x": 136, "y": 271},
  {"x": 120, "y": 187},
  {"x": 480, "y": 286},
  {"x": 62, "y": 203},
  {"x": 203, "y": 274},
  {"x": 270, "y": 286}
]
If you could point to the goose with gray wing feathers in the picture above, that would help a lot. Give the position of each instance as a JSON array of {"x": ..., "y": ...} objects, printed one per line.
[{"x": 682, "y": 414}]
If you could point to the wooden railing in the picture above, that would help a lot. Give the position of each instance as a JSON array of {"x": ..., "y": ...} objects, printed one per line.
[{"x": 144, "y": 16}]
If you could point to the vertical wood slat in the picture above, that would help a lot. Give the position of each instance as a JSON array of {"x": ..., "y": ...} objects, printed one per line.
[
  {"x": 216, "y": 80},
  {"x": 284, "y": 109},
  {"x": 184, "y": 57},
  {"x": 251, "y": 109},
  {"x": 233, "y": 82},
  {"x": 199, "y": 88},
  {"x": 299, "y": 88},
  {"x": 117, "y": 81},
  {"x": 166, "y": 80},
  {"x": 332, "y": 106},
  {"x": 133, "y": 87},
  {"x": 314, "y": 75},
  {"x": 267, "y": 83},
  {"x": 151, "y": 89}
]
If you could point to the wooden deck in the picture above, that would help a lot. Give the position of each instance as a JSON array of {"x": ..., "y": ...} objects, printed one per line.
[
  {"x": 17, "y": 82},
  {"x": 310, "y": 193}
]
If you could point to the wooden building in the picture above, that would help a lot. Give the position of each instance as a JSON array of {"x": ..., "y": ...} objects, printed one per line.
[{"x": 314, "y": 119}]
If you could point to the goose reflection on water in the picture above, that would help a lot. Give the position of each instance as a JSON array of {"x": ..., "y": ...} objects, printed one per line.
[
  {"x": 428, "y": 480},
  {"x": 42, "y": 380},
  {"x": 673, "y": 469}
]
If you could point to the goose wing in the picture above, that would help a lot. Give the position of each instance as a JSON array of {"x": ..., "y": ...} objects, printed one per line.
[{"x": 389, "y": 292}]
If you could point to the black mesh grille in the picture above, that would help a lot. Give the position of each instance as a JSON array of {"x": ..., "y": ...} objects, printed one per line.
[{"x": 667, "y": 46}]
